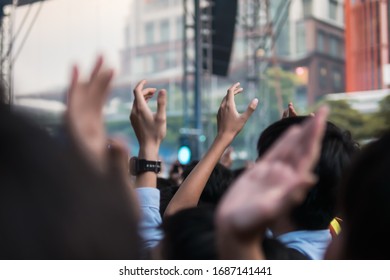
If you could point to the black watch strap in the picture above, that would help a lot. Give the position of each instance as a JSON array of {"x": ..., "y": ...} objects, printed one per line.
[{"x": 138, "y": 166}]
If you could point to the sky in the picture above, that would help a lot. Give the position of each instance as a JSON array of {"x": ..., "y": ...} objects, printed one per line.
[{"x": 67, "y": 32}]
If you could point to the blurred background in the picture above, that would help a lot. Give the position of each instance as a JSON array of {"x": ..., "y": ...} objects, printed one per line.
[{"x": 308, "y": 52}]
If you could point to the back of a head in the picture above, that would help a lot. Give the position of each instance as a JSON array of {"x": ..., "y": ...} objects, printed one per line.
[
  {"x": 189, "y": 235},
  {"x": 53, "y": 205},
  {"x": 319, "y": 207},
  {"x": 217, "y": 184},
  {"x": 166, "y": 195},
  {"x": 365, "y": 204}
]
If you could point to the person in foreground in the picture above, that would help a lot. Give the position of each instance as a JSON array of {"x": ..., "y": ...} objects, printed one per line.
[
  {"x": 277, "y": 182},
  {"x": 365, "y": 207},
  {"x": 66, "y": 201},
  {"x": 305, "y": 227}
]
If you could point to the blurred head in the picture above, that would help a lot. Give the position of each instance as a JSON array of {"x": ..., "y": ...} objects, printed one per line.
[
  {"x": 365, "y": 204},
  {"x": 175, "y": 173},
  {"x": 53, "y": 205},
  {"x": 319, "y": 207},
  {"x": 217, "y": 184},
  {"x": 189, "y": 235}
]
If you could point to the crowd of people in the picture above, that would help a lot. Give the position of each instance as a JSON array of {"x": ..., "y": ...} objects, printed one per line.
[{"x": 313, "y": 192}]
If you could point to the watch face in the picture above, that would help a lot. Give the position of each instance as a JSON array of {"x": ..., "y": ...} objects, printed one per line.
[{"x": 137, "y": 166}]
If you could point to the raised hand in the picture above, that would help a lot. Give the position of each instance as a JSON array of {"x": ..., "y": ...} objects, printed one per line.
[
  {"x": 229, "y": 121},
  {"x": 278, "y": 181},
  {"x": 150, "y": 128},
  {"x": 290, "y": 111},
  {"x": 84, "y": 114}
]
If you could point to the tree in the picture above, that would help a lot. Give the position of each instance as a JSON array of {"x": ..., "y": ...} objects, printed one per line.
[
  {"x": 361, "y": 126},
  {"x": 384, "y": 111}
]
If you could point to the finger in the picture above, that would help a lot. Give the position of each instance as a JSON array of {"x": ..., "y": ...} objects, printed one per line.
[
  {"x": 301, "y": 188},
  {"x": 148, "y": 92},
  {"x": 103, "y": 79},
  {"x": 291, "y": 110},
  {"x": 238, "y": 90},
  {"x": 285, "y": 114},
  {"x": 138, "y": 90},
  {"x": 312, "y": 134},
  {"x": 118, "y": 156},
  {"x": 312, "y": 115},
  {"x": 73, "y": 83},
  {"x": 107, "y": 84},
  {"x": 101, "y": 84},
  {"x": 148, "y": 96},
  {"x": 97, "y": 67},
  {"x": 161, "y": 104},
  {"x": 230, "y": 92},
  {"x": 223, "y": 102},
  {"x": 251, "y": 108}
]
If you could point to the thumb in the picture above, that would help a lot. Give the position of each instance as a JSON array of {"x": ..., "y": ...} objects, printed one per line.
[
  {"x": 73, "y": 83},
  {"x": 118, "y": 156},
  {"x": 251, "y": 108},
  {"x": 161, "y": 103}
]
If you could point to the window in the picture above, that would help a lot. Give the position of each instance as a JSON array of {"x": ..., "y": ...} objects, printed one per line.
[
  {"x": 321, "y": 41},
  {"x": 307, "y": 8},
  {"x": 164, "y": 31},
  {"x": 333, "y": 9},
  {"x": 334, "y": 44},
  {"x": 301, "y": 37},
  {"x": 322, "y": 75},
  {"x": 139, "y": 65},
  {"x": 170, "y": 60},
  {"x": 149, "y": 33},
  {"x": 337, "y": 79},
  {"x": 179, "y": 28}
]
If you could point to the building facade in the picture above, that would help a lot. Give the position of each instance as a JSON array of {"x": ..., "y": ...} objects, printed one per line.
[
  {"x": 311, "y": 43},
  {"x": 367, "y": 44},
  {"x": 316, "y": 47}
]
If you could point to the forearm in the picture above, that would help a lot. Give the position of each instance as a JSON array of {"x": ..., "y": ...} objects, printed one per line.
[{"x": 191, "y": 189}]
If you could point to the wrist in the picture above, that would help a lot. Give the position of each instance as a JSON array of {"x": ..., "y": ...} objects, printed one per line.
[
  {"x": 149, "y": 152},
  {"x": 224, "y": 139}
]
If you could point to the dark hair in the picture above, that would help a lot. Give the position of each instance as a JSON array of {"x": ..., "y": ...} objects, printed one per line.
[
  {"x": 319, "y": 207},
  {"x": 365, "y": 202},
  {"x": 3, "y": 94},
  {"x": 53, "y": 205},
  {"x": 166, "y": 194},
  {"x": 217, "y": 184},
  {"x": 238, "y": 172},
  {"x": 164, "y": 183},
  {"x": 190, "y": 235}
]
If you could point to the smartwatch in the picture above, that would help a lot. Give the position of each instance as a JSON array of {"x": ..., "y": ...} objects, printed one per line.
[{"x": 138, "y": 166}]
